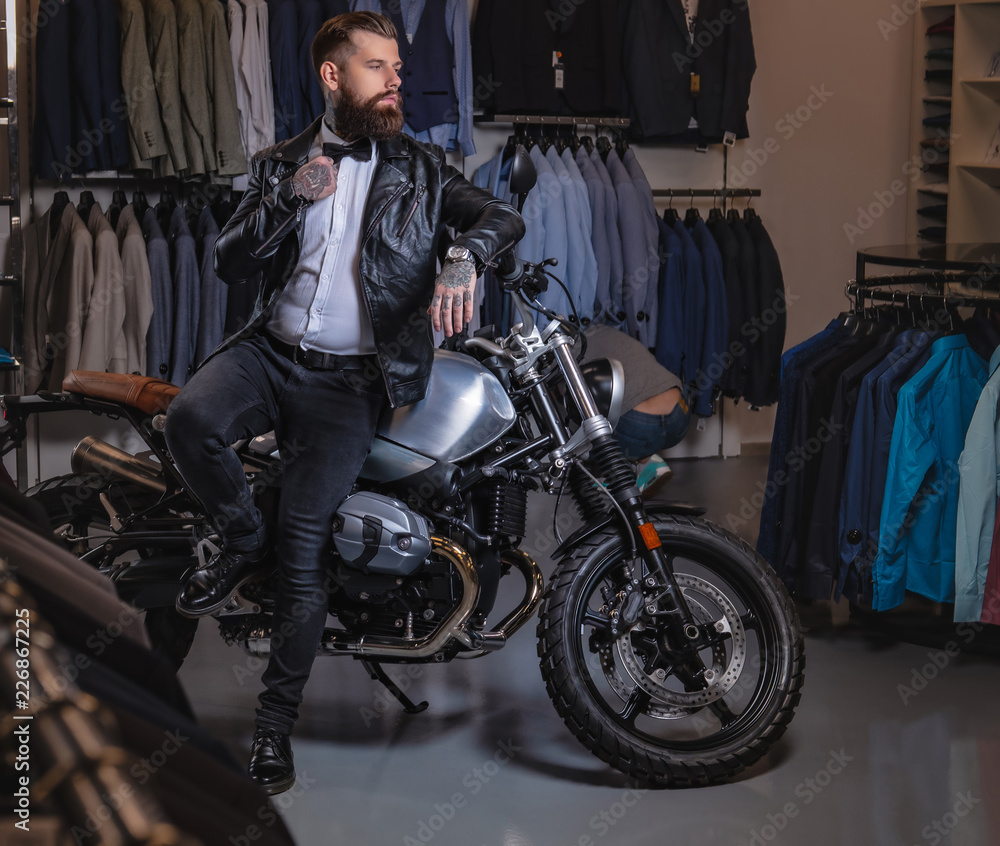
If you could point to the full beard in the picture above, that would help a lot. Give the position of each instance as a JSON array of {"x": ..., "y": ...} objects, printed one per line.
[{"x": 353, "y": 118}]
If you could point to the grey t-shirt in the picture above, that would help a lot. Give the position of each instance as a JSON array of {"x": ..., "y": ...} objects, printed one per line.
[{"x": 645, "y": 377}]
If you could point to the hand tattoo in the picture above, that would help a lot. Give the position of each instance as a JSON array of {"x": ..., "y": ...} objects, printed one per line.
[
  {"x": 315, "y": 180},
  {"x": 457, "y": 274}
]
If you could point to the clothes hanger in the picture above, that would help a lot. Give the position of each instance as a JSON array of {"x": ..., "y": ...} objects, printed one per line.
[
  {"x": 588, "y": 144},
  {"x": 509, "y": 147},
  {"x": 139, "y": 203},
  {"x": 670, "y": 215},
  {"x": 715, "y": 215},
  {"x": 621, "y": 145},
  {"x": 749, "y": 213},
  {"x": 59, "y": 202},
  {"x": 118, "y": 202},
  {"x": 691, "y": 216},
  {"x": 85, "y": 205},
  {"x": 603, "y": 147},
  {"x": 544, "y": 142}
]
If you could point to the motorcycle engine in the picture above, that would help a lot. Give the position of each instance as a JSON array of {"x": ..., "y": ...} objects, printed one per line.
[{"x": 380, "y": 535}]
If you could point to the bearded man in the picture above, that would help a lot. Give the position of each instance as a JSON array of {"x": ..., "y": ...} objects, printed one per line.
[{"x": 342, "y": 225}]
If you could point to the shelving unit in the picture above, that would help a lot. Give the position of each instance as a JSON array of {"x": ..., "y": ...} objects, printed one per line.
[
  {"x": 11, "y": 201},
  {"x": 970, "y": 186}
]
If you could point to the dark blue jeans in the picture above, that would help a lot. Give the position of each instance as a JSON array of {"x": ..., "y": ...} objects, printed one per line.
[
  {"x": 325, "y": 421},
  {"x": 641, "y": 434}
]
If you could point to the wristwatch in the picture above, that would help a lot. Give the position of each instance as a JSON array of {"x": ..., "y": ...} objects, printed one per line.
[{"x": 455, "y": 253}]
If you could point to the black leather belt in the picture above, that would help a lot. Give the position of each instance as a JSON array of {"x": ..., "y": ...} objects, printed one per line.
[{"x": 316, "y": 360}]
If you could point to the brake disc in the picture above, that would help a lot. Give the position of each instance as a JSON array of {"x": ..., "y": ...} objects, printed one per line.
[{"x": 669, "y": 703}]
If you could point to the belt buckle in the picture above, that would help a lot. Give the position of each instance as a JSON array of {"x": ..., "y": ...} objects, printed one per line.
[{"x": 298, "y": 356}]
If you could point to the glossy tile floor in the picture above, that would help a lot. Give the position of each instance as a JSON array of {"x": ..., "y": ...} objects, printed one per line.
[{"x": 895, "y": 742}]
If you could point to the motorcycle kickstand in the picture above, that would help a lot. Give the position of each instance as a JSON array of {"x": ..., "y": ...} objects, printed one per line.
[{"x": 376, "y": 672}]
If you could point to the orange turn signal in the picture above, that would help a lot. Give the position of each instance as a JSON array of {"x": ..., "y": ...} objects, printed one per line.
[{"x": 649, "y": 536}]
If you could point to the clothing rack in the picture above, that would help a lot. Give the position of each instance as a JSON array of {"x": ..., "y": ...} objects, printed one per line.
[
  {"x": 872, "y": 292},
  {"x": 555, "y": 120},
  {"x": 691, "y": 193},
  {"x": 706, "y": 192}
]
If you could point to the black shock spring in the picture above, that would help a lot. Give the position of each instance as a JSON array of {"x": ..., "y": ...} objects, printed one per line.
[
  {"x": 591, "y": 500},
  {"x": 609, "y": 462},
  {"x": 506, "y": 509}
]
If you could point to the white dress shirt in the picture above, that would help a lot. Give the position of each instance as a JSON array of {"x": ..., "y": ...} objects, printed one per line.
[{"x": 322, "y": 307}]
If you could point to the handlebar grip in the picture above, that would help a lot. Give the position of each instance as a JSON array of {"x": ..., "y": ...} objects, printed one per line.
[{"x": 509, "y": 268}]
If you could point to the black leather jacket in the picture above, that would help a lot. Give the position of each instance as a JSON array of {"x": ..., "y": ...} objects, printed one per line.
[{"x": 414, "y": 194}]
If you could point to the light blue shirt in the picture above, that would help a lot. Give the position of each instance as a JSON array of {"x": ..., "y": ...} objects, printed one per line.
[
  {"x": 587, "y": 283},
  {"x": 599, "y": 238},
  {"x": 457, "y": 133},
  {"x": 575, "y": 273},
  {"x": 616, "y": 269},
  {"x": 322, "y": 306},
  {"x": 552, "y": 211},
  {"x": 978, "y": 490},
  {"x": 920, "y": 506}
]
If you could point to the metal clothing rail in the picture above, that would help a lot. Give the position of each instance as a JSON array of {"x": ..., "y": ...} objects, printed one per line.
[
  {"x": 860, "y": 293},
  {"x": 555, "y": 120},
  {"x": 706, "y": 192}
]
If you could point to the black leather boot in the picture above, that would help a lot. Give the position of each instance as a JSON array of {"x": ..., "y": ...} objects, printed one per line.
[
  {"x": 209, "y": 589},
  {"x": 271, "y": 765}
]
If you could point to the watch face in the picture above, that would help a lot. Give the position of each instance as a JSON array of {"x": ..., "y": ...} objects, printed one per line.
[{"x": 458, "y": 254}]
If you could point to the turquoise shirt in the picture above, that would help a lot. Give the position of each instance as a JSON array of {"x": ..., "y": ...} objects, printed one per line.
[{"x": 920, "y": 506}]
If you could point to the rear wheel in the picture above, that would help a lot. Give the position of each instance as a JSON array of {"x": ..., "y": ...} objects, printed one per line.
[
  {"x": 82, "y": 523},
  {"x": 610, "y": 670}
]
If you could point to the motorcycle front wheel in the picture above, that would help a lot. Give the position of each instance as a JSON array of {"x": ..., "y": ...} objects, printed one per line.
[{"x": 611, "y": 675}]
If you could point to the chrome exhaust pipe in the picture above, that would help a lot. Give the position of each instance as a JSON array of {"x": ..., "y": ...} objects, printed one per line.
[
  {"x": 454, "y": 627},
  {"x": 534, "y": 587},
  {"x": 92, "y": 455}
]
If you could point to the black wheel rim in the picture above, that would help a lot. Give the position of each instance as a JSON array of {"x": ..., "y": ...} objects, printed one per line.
[{"x": 734, "y": 714}]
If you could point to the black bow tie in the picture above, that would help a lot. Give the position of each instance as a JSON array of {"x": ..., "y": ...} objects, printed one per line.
[{"x": 360, "y": 150}]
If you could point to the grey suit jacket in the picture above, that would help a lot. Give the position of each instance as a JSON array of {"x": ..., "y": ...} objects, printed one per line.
[
  {"x": 185, "y": 273},
  {"x": 103, "y": 347},
  {"x": 196, "y": 119},
  {"x": 214, "y": 293},
  {"x": 138, "y": 288},
  {"x": 68, "y": 278},
  {"x": 230, "y": 157},
  {"x": 34, "y": 250},
  {"x": 162, "y": 289},
  {"x": 632, "y": 226},
  {"x": 645, "y": 197},
  {"x": 147, "y": 138},
  {"x": 161, "y": 34}
]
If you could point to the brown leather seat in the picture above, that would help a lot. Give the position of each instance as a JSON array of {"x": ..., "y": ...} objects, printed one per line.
[{"x": 149, "y": 395}]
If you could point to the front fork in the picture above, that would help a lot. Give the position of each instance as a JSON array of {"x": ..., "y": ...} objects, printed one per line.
[{"x": 606, "y": 456}]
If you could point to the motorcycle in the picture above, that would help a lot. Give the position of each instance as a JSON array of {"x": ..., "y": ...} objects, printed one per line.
[{"x": 668, "y": 646}]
